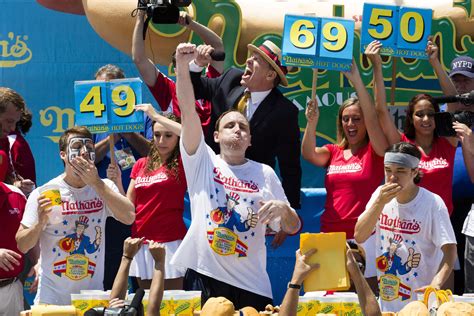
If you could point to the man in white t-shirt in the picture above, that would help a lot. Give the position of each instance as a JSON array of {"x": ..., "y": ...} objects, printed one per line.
[
  {"x": 415, "y": 243},
  {"x": 72, "y": 243},
  {"x": 232, "y": 201}
]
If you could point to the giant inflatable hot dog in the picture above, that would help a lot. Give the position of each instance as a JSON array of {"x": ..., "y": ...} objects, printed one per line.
[{"x": 246, "y": 19}]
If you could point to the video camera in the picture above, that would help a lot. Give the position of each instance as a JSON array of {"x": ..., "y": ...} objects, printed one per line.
[
  {"x": 444, "y": 120},
  {"x": 134, "y": 309},
  {"x": 163, "y": 11}
]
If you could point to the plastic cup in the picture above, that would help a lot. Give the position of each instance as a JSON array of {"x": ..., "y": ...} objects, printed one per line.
[
  {"x": 329, "y": 305},
  {"x": 181, "y": 304},
  {"x": 51, "y": 191},
  {"x": 307, "y": 306}
]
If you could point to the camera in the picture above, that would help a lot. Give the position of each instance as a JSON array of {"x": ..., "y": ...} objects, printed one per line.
[
  {"x": 134, "y": 309},
  {"x": 163, "y": 11},
  {"x": 104, "y": 311},
  {"x": 444, "y": 121}
]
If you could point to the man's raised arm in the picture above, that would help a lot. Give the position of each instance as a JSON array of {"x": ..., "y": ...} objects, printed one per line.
[{"x": 191, "y": 131}]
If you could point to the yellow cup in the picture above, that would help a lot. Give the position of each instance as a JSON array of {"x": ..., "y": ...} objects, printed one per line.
[
  {"x": 350, "y": 309},
  {"x": 85, "y": 301},
  {"x": 82, "y": 305},
  {"x": 307, "y": 306},
  {"x": 51, "y": 191},
  {"x": 329, "y": 305}
]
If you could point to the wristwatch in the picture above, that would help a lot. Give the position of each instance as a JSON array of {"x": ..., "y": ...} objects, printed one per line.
[{"x": 294, "y": 286}]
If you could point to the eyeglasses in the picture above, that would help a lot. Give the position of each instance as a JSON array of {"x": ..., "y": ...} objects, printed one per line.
[{"x": 421, "y": 114}]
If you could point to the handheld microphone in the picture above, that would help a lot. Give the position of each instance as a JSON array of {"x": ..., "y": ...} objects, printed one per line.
[
  {"x": 465, "y": 98},
  {"x": 220, "y": 56}
]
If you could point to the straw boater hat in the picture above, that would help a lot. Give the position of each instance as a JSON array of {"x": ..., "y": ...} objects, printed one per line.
[{"x": 272, "y": 54}]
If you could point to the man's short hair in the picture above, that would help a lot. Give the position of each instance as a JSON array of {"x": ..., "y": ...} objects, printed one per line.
[
  {"x": 111, "y": 72},
  {"x": 218, "y": 122},
  {"x": 76, "y": 130},
  {"x": 8, "y": 96}
]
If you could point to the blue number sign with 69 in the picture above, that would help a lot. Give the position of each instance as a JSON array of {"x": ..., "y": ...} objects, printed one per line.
[{"x": 325, "y": 43}]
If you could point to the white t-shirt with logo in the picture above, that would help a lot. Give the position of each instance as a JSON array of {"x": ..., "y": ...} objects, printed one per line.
[
  {"x": 73, "y": 251},
  {"x": 220, "y": 242},
  {"x": 408, "y": 246}
]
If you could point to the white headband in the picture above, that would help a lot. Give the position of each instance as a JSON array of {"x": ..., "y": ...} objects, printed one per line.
[{"x": 404, "y": 160}]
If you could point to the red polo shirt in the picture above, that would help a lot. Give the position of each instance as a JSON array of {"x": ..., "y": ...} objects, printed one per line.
[{"x": 12, "y": 205}]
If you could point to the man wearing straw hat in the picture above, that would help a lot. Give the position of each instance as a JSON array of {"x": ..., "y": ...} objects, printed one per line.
[{"x": 273, "y": 118}]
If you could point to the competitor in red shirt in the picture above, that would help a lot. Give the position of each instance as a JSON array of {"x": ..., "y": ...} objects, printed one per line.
[
  {"x": 157, "y": 189},
  {"x": 437, "y": 159},
  {"x": 354, "y": 165}
]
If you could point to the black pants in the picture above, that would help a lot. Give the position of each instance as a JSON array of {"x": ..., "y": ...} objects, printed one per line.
[
  {"x": 115, "y": 234},
  {"x": 460, "y": 211},
  {"x": 194, "y": 281}
]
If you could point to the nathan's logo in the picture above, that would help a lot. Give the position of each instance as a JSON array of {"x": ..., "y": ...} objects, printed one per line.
[
  {"x": 14, "y": 51},
  {"x": 147, "y": 180},
  {"x": 398, "y": 225},
  {"x": 231, "y": 183},
  {"x": 54, "y": 114},
  {"x": 82, "y": 207},
  {"x": 350, "y": 168},
  {"x": 436, "y": 163}
]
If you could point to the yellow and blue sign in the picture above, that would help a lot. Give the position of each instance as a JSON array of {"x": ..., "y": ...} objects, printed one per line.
[
  {"x": 109, "y": 106},
  {"x": 324, "y": 43},
  {"x": 402, "y": 31}
]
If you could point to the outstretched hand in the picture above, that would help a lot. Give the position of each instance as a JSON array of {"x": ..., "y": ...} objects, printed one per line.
[
  {"x": 373, "y": 52},
  {"x": 465, "y": 135},
  {"x": 184, "y": 18},
  {"x": 302, "y": 266},
  {"x": 114, "y": 173},
  {"x": 149, "y": 110},
  {"x": 432, "y": 50},
  {"x": 312, "y": 111},
  {"x": 131, "y": 246},
  {"x": 353, "y": 75},
  {"x": 185, "y": 53},
  {"x": 204, "y": 55},
  {"x": 157, "y": 251}
]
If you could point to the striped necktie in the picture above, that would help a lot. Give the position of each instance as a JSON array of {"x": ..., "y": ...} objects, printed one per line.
[{"x": 242, "y": 105}]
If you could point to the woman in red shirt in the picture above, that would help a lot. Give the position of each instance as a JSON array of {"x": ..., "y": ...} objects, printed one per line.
[
  {"x": 437, "y": 160},
  {"x": 157, "y": 189},
  {"x": 354, "y": 165}
]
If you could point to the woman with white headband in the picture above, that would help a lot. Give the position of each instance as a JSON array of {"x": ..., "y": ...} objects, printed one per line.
[{"x": 415, "y": 243}]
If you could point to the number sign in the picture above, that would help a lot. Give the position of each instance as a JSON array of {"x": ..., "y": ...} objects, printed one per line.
[
  {"x": 314, "y": 42},
  {"x": 402, "y": 31},
  {"x": 109, "y": 106}
]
